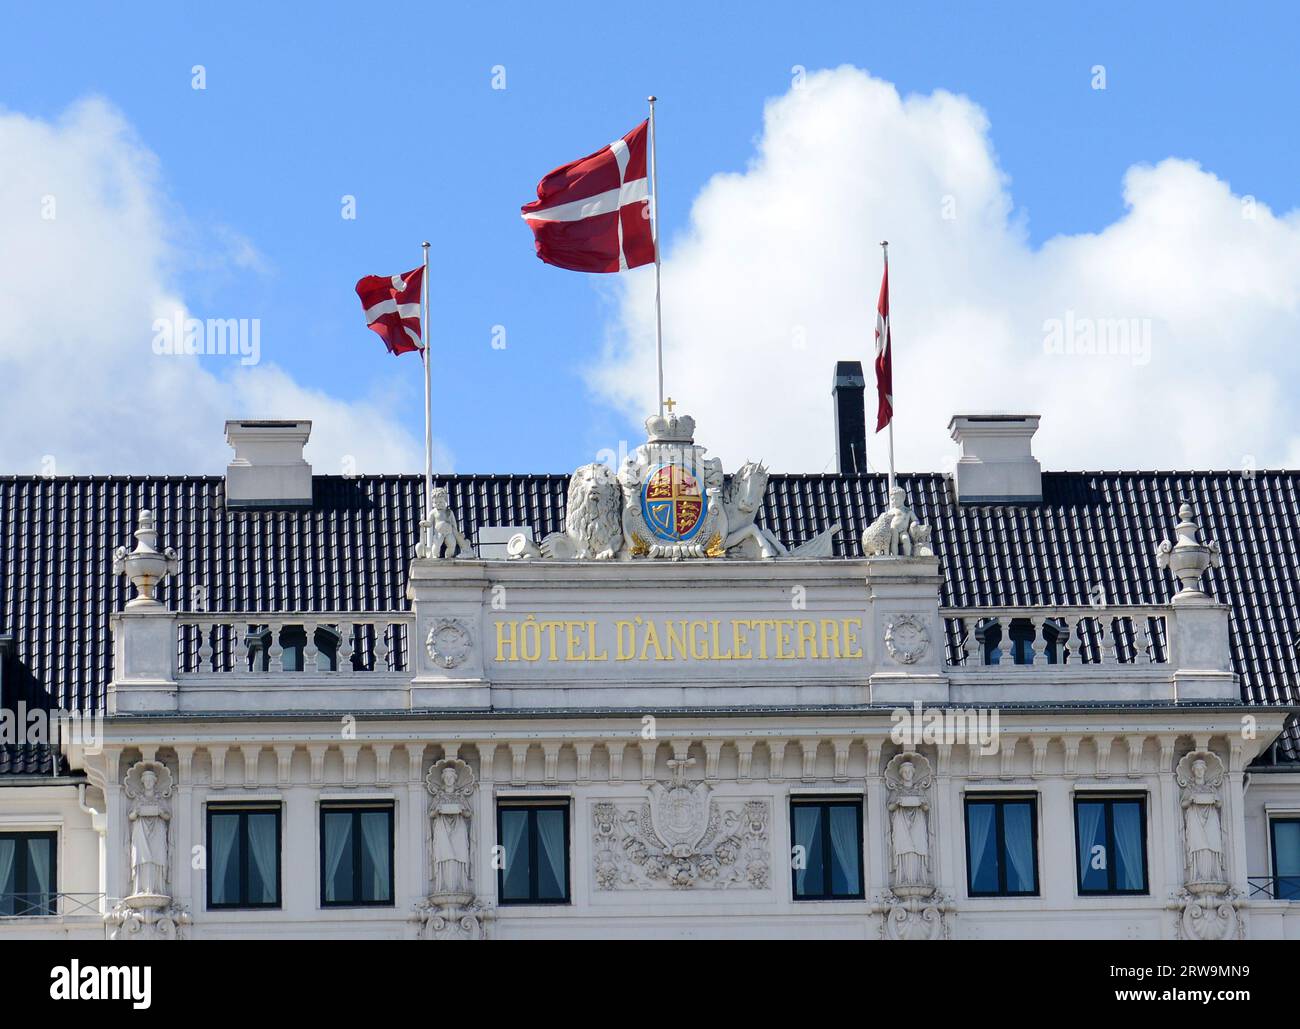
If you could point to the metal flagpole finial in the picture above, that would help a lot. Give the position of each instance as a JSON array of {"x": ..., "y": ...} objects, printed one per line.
[
  {"x": 425, "y": 244},
  {"x": 652, "y": 98}
]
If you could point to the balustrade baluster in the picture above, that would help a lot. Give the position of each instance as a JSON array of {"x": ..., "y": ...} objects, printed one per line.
[
  {"x": 1106, "y": 641},
  {"x": 309, "y": 647},
  {"x": 382, "y": 646},
  {"x": 275, "y": 652},
  {"x": 347, "y": 647},
  {"x": 206, "y": 630},
  {"x": 967, "y": 640},
  {"x": 1038, "y": 641}
]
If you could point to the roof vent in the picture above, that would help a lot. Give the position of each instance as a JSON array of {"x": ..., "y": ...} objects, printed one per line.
[
  {"x": 268, "y": 469},
  {"x": 997, "y": 465}
]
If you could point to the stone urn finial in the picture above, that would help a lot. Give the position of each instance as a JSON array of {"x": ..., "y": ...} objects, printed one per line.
[
  {"x": 145, "y": 566},
  {"x": 1188, "y": 557}
]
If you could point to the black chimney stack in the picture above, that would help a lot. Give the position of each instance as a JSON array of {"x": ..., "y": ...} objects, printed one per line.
[{"x": 849, "y": 390}]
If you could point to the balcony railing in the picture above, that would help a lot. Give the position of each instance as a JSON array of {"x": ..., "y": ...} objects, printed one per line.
[
  {"x": 1274, "y": 887},
  {"x": 1069, "y": 636},
  {"x": 324, "y": 643},
  {"x": 49, "y": 905}
]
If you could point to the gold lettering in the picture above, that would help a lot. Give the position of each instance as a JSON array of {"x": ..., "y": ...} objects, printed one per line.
[
  {"x": 651, "y": 638},
  {"x": 738, "y": 639},
  {"x": 715, "y": 636},
  {"x": 552, "y": 630},
  {"x": 851, "y": 637},
  {"x": 592, "y": 653},
  {"x": 625, "y": 647},
  {"x": 763, "y": 625},
  {"x": 571, "y": 640},
  {"x": 677, "y": 638},
  {"x": 807, "y": 639},
  {"x": 700, "y": 647},
  {"x": 510, "y": 641},
  {"x": 784, "y": 626},
  {"x": 830, "y": 638},
  {"x": 533, "y": 652}
]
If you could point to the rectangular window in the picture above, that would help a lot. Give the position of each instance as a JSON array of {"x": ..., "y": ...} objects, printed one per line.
[
  {"x": 1285, "y": 833},
  {"x": 535, "y": 852},
  {"x": 28, "y": 885},
  {"x": 828, "y": 865},
  {"x": 356, "y": 855},
  {"x": 1001, "y": 847},
  {"x": 1111, "y": 841},
  {"x": 243, "y": 856}
]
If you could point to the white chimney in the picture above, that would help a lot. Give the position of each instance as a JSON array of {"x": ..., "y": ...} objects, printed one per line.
[
  {"x": 268, "y": 469},
  {"x": 997, "y": 465}
]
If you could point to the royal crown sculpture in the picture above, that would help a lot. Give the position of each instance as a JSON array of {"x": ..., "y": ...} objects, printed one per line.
[{"x": 667, "y": 501}]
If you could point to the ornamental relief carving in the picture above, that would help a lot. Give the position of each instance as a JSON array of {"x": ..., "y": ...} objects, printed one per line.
[
  {"x": 681, "y": 838},
  {"x": 449, "y": 642},
  {"x": 907, "y": 639}
]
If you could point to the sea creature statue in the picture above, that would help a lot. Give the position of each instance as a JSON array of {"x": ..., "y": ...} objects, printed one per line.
[{"x": 896, "y": 532}]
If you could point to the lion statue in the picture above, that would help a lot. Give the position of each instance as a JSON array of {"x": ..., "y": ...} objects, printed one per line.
[{"x": 592, "y": 521}]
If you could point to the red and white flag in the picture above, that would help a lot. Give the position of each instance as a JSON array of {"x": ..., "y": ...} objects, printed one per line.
[
  {"x": 593, "y": 214},
  {"x": 884, "y": 357},
  {"x": 392, "y": 306}
]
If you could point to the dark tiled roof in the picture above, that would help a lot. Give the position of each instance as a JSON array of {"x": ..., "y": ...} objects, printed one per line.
[
  {"x": 31, "y": 759},
  {"x": 351, "y": 548}
]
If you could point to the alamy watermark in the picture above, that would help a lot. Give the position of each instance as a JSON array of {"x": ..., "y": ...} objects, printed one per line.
[
  {"x": 972, "y": 725},
  {"x": 21, "y": 725},
  {"x": 1099, "y": 337},
  {"x": 199, "y": 337}
]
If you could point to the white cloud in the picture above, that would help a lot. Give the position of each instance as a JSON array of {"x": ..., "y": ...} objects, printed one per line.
[
  {"x": 79, "y": 292},
  {"x": 777, "y": 274}
]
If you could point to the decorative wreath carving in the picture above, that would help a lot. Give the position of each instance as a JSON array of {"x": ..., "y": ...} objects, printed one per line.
[
  {"x": 449, "y": 642},
  {"x": 907, "y": 639}
]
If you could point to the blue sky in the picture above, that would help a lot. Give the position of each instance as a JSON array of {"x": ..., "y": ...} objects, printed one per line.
[{"x": 396, "y": 108}]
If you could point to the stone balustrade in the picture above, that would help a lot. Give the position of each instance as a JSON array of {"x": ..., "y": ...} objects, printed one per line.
[
  {"x": 325, "y": 643},
  {"x": 1023, "y": 638}
]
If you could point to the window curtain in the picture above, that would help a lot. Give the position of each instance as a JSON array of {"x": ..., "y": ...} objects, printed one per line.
[
  {"x": 262, "y": 856},
  {"x": 40, "y": 901},
  {"x": 1016, "y": 820},
  {"x": 377, "y": 840},
  {"x": 807, "y": 834},
  {"x": 844, "y": 842},
  {"x": 550, "y": 831},
  {"x": 979, "y": 825},
  {"x": 513, "y": 824},
  {"x": 1089, "y": 816},
  {"x": 338, "y": 840},
  {"x": 223, "y": 849},
  {"x": 8, "y": 848},
  {"x": 1130, "y": 875}
]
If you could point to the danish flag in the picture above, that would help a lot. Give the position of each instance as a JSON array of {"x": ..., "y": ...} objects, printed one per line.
[
  {"x": 392, "y": 306},
  {"x": 593, "y": 214},
  {"x": 884, "y": 357}
]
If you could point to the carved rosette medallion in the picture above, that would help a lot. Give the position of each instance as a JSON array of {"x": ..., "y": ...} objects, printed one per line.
[
  {"x": 907, "y": 639},
  {"x": 449, "y": 642}
]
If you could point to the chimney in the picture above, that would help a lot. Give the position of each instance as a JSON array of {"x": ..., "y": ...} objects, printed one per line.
[
  {"x": 848, "y": 389},
  {"x": 997, "y": 465},
  {"x": 268, "y": 469}
]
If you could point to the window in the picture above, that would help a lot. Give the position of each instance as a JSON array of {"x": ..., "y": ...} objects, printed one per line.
[
  {"x": 356, "y": 855},
  {"x": 1001, "y": 847},
  {"x": 243, "y": 856},
  {"x": 1285, "y": 841},
  {"x": 1111, "y": 841},
  {"x": 1019, "y": 649},
  {"x": 27, "y": 879},
  {"x": 535, "y": 841},
  {"x": 293, "y": 648},
  {"x": 830, "y": 835}
]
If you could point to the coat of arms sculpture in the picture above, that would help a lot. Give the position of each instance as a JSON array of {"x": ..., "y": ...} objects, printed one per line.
[{"x": 668, "y": 500}]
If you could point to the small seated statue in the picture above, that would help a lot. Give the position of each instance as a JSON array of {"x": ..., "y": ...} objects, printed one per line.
[{"x": 896, "y": 532}]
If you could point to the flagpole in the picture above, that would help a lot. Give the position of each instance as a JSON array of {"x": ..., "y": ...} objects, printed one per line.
[
  {"x": 428, "y": 388},
  {"x": 884, "y": 249},
  {"x": 654, "y": 211}
]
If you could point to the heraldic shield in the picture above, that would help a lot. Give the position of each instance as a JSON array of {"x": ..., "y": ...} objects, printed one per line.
[{"x": 673, "y": 503}]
